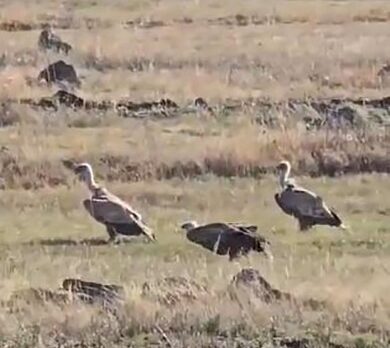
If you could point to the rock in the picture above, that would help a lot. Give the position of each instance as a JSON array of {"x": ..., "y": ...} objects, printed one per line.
[
  {"x": 94, "y": 293},
  {"x": 170, "y": 291},
  {"x": 108, "y": 297},
  {"x": 36, "y": 296},
  {"x": 251, "y": 282}
]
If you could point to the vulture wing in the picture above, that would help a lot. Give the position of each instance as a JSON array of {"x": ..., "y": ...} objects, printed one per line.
[
  {"x": 244, "y": 228},
  {"x": 110, "y": 210},
  {"x": 211, "y": 237},
  {"x": 303, "y": 203},
  {"x": 227, "y": 238},
  {"x": 116, "y": 201}
]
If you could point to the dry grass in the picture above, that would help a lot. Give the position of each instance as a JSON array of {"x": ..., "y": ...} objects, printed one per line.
[
  {"x": 276, "y": 61},
  {"x": 198, "y": 166},
  {"x": 348, "y": 271}
]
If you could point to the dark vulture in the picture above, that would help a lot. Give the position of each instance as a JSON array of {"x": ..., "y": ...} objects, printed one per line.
[
  {"x": 59, "y": 72},
  {"x": 304, "y": 205},
  {"x": 50, "y": 41},
  {"x": 108, "y": 209},
  {"x": 227, "y": 238}
]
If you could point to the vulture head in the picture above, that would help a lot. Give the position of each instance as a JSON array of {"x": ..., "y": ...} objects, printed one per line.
[
  {"x": 284, "y": 169},
  {"x": 84, "y": 172},
  {"x": 189, "y": 225},
  {"x": 284, "y": 166}
]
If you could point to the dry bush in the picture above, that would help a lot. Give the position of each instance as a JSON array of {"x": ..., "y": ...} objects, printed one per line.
[{"x": 244, "y": 153}]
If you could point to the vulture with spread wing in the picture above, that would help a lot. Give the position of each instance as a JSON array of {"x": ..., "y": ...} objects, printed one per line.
[
  {"x": 108, "y": 209},
  {"x": 304, "y": 205},
  {"x": 227, "y": 238}
]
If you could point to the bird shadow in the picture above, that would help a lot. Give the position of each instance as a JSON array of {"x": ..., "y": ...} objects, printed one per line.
[
  {"x": 53, "y": 242},
  {"x": 68, "y": 242}
]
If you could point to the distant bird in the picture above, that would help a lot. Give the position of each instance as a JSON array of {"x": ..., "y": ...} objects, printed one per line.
[
  {"x": 59, "y": 72},
  {"x": 50, "y": 41},
  {"x": 227, "y": 238},
  {"x": 202, "y": 106},
  {"x": 304, "y": 205},
  {"x": 108, "y": 209}
]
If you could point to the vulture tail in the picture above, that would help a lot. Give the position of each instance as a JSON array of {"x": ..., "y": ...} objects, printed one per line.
[
  {"x": 147, "y": 231},
  {"x": 259, "y": 245},
  {"x": 336, "y": 221},
  {"x": 262, "y": 245},
  {"x": 306, "y": 222}
]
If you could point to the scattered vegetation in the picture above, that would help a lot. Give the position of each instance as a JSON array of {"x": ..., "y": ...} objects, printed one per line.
[{"x": 298, "y": 80}]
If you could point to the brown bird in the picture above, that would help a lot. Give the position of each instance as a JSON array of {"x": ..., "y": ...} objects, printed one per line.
[
  {"x": 50, "y": 41},
  {"x": 118, "y": 216},
  {"x": 304, "y": 205},
  {"x": 227, "y": 238}
]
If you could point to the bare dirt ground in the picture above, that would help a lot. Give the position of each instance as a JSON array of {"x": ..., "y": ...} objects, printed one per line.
[{"x": 297, "y": 80}]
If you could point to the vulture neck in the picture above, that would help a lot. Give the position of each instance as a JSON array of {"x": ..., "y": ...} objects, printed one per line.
[
  {"x": 284, "y": 177},
  {"x": 90, "y": 180}
]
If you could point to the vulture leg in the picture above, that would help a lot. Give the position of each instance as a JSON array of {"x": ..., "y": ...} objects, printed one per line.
[
  {"x": 304, "y": 224},
  {"x": 234, "y": 253},
  {"x": 111, "y": 232}
]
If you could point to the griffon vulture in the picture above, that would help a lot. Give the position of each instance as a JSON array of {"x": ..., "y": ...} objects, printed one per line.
[
  {"x": 227, "y": 238},
  {"x": 48, "y": 40},
  {"x": 108, "y": 209},
  {"x": 304, "y": 205}
]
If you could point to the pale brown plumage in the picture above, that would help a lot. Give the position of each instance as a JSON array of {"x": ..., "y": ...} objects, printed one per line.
[
  {"x": 227, "y": 238},
  {"x": 304, "y": 205},
  {"x": 50, "y": 41},
  {"x": 118, "y": 216}
]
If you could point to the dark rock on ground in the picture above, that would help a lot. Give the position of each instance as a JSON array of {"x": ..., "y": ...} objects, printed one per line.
[
  {"x": 37, "y": 295},
  {"x": 94, "y": 293},
  {"x": 250, "y": 282},
  {"x": 250, "y": 279},
  {"x": 73, "y": 290},
  {"x": 334, "y": 113},
  {"x": 59, "y": 71}
]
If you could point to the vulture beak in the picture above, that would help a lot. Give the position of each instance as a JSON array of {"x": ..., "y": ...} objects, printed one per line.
[
  {"x": 268, "y": 253},
  {"x": 267, "y": 250},
  {"x": 79, "y": 172},
  {"x": 69, "y": 164},
  {"x": 77, "y": 169}
]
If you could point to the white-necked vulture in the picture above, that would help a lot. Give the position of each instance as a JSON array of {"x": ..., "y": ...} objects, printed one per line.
[
  {"x": 108, "y": 209},
  {"x": 50, "y": 41},
  {"x": 304, "y": 205},
  {"x": 227, "y": 238}
]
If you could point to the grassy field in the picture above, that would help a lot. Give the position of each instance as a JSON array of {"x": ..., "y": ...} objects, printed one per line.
[{"x": 200, "y": 166}]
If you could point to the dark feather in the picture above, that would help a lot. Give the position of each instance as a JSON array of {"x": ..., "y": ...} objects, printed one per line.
[
  {"x": 125, "y": 226},
  {"x": 281, "y": 205},
  {"x": 227, "y": 239},
  {"x": 307, "y": 207}
]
